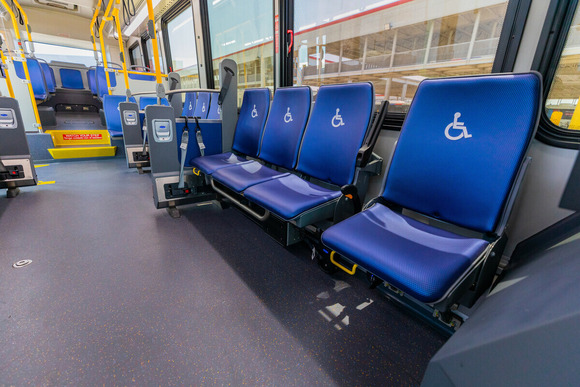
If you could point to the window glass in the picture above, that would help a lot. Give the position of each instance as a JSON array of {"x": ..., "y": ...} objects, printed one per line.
[
  {"x": 562, "y": 107},
  {"x": 394, "y": 43},
  {"x": 243, "y": 31},
  {"x": 150, "y": 58},
  {"x": 51, "y": 52},
  {"x": 181, "y": 36},
  {"x": 136, "y": 56}
]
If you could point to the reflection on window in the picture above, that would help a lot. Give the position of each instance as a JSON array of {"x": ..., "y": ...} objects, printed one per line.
[
  {"x": 181, "y": 35},
  {"x": 562, "y": 105},
  {"x": 52, "y": 52},
  {"x": 136, "y": 56},
  {"x": 150, "y": 57},
  {"x": 394, "y": 43},
  {"x": 243, "y": 31}
]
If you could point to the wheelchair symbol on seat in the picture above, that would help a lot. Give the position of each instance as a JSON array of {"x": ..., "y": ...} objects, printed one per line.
[
  {"x": 254, "y": 112},
  {"x": 458, "y": 126},
  {"x": 338, "y": 118},
  {"x": 288, "y": 116},
  {"x": 203, "y": 108},
  {"x": 219, "y": 110},
  {"x": 190, "y": 107}
]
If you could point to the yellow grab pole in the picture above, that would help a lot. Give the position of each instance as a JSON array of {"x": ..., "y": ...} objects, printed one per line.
[
  {"x": 7, "y": 74},
  {"x": 24, "y": 64},
  {"x": 93, "y": 21},
  {"x": 121, "y": 48},
  {"x": 103, "y": 50},
  {"x": 153, "y": 35},
  {"x": 25, "y": 19}
]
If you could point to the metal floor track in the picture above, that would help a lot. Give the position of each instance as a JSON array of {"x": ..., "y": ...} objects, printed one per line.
[{"x": 120, "y": 293}]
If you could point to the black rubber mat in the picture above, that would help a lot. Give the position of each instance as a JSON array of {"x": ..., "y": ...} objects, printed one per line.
[{"x": 120, "y": 293}]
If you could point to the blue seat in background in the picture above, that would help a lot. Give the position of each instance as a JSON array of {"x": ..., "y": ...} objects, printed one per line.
[
  {"x": 112, "y": 115},
  {"x": 248, "y": 134},
  {"x": 36, "y": 77},
  {"x": 101, "y": 81},
  {"x": 336, "y": 131},
  {"x": 202, "y": 105},
  {"x": 142, "y": 77},
  {"x": 215, "y": 110},
  {"x": 71, "y": 79},
  {"x": 92, "y": 81},
  {"x": 189, "y": 104},
  {"x": 146, "y": 101},
  {"x": 280, "y": 142},
  {"x": 48, "y": 77},
  {"x": 458, "y": 160}
]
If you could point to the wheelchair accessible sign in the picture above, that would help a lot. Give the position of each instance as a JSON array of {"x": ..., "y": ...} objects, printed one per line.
[{"x": 456, "y": 130}]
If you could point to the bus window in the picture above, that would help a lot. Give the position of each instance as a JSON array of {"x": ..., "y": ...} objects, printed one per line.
[
  {"x": 180, "y": 49},
  {"x": 243, "y": 31},
  {"x": 52, "y": 52},
  {"x": 395, "y": 43},
  {"x": 149, "y": 54},
  {"x": 562, "y": 106},
  {"x": 135, "y": 55}
]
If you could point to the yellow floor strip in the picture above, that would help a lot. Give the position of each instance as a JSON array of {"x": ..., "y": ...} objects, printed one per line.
[
  {"x": 45, "y": 182},
  {"x": 41, "y": 165}
]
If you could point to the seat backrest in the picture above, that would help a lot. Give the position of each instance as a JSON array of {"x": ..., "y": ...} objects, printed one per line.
[
  {"x": 202, "y": 105},
  {"x": 36, "y": 77},
  {"x": 92, "y": 81},
  {"x": 189, "y": 104},
  {"x": 335, "y": 132},
  {"x": 250, "y": 125},
  {"x": 142, "y": 77},
  {"x": 71, "y": 79},
  {"x": 461, "y": 146},
  {"x": 102, "y": 81},
  {"x": 215, "y": 110},
  {"x": 285, "y": 126},
  {"x": 112, "y": 114},
  {"x": 146, "y": 101},
  {"x": 48, "y": 77}
]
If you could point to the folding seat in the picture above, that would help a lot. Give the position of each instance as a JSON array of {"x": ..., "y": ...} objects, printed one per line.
[
  {"x": 189, "y": 104},
  {"x": 215, "y": 110},
  {"x": 437, "y": 231},
  {"x": 101, "y": 81},
  {"x": 146, "y": 101},
  {"x": 280, "y": 142},
  {"x": 248, "y": 134},
  {"x": 336, "y": 131}
]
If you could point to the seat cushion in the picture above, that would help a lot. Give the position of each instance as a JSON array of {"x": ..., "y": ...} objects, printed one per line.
[
  {"x": 289, "y": 196},
  {"x": 419, "y": 259},
  {"x": 210, "y": 164},
  {"x": 239, "y": 177}
]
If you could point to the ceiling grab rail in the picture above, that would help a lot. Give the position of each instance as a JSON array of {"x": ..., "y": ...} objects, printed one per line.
[{"x": 22, "y": 58}]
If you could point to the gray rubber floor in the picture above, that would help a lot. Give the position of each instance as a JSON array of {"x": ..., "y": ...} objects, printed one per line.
[{"x": 119, "y": 293}]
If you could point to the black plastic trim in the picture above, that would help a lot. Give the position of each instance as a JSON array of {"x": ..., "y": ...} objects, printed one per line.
[
  {"x": 204, "y": 16},
  {"x": 511, "y": 35},
  {"x": 550, "y": 46},
  {"x": 286, "y": 20}
]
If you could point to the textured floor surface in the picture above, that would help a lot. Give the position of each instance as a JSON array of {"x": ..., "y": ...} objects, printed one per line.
[{"x": 119, "y": 293}]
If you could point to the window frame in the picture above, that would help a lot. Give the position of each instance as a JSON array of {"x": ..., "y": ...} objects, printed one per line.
[
  {"x": 131, "y": 48},
  {"x": 546, "y": 59}
]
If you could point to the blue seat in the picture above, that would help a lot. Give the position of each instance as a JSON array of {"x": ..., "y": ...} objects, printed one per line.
[
  {"x": 189, "y": 104},
  {"x": 212, "y": 139},
  {"x": 48, "y": 77},
  {"x": 142, "y": 77},
  {"x": 248, "y": 134},
  {"x": 146, "y": 101},
  {"x": 71, "y": 79},
  {"x": 202, "y": 105},
  {"x": 280, "y": 142},
  {"x": 101, "y": 81},
  {"x": 215, "y": 110},
  {"x": 335, "y": 132},
  {"x": 458, "y": 160},
  {"x": 36, "y": 77},
  {"x": 112, "y": 115},
  {"x": 92, "y": 81}
]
